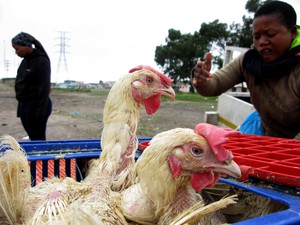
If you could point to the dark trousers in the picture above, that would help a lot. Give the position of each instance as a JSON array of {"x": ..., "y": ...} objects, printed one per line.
[{"x": 34, "y": 125}]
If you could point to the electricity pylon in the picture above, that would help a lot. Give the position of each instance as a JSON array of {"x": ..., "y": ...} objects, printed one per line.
[{"x": 62, "y": 52}]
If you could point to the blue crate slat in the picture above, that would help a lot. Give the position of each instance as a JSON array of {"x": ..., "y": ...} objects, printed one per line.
[
  {"x": 80, "y": 149},
  {"x": 64, "y": 146},
  {"x": 33, "y": 173},
  {"x": 93, "y": 154},
  {"x": 51, "y": 142},
  {"x": 68, "y": 166},
  {"x": 45, "y": 169},
  {"x": 56, "y": 168}
]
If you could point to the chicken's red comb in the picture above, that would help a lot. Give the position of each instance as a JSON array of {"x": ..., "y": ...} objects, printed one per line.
[
  {"x": 162, "y": 76},
  {"x": 216, "y": 137}
]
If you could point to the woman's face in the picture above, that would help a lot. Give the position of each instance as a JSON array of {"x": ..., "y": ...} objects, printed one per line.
[
  {"x": 271, "y": 37},
  {"x": 22, "y": 51}
]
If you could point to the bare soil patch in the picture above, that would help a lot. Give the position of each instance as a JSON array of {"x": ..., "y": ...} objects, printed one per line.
[{"x": 79, "y": 116}]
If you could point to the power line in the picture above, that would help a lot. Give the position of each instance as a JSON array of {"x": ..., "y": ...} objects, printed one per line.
[
  {"x": 62, "y": 52},
  {"x": 6, "y": 62}
]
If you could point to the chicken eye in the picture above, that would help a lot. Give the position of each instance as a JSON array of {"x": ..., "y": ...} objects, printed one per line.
[
  {"x": 196, "y": 151},
  {"x": 149, "y": 80}
]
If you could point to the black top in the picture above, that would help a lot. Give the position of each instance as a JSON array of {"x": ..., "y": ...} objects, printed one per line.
[{"x": 33, "y": 80}]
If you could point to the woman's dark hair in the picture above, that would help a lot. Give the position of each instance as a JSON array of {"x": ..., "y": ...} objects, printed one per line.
[
  {"x": 25, "y": 39},
  {"x": 285, "y": 12}
]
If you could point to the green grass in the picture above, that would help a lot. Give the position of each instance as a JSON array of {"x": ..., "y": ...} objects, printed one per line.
[
  {"x": 100, "y": 92},
  {"x": 81, "y": 90},
  {"x": 195, "y": 97}
]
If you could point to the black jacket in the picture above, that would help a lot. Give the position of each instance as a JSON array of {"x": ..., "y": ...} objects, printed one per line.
[{"x": 33, "y": 81}]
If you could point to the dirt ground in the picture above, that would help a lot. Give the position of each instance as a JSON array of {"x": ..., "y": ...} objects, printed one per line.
[{"x": 79, "y": 116}]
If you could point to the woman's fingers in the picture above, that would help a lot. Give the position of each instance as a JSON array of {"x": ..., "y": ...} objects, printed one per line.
[
  {"x": 201, "y": 71},
  {"x": 207, "y": 62}
]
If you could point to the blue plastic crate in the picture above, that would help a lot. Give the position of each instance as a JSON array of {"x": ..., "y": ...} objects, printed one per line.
[
  {"x": 61, "y": 158},
  {"x": 69, "y": 153}
]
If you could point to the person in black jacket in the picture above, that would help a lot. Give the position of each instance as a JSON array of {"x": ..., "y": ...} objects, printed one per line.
[{"x": 32, "y": 86}]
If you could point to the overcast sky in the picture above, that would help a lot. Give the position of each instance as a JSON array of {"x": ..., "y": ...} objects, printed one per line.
[{"x": 104, "y": 39}]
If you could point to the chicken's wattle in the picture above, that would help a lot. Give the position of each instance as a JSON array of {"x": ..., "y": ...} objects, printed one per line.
[{"x": 203, "y": 179}]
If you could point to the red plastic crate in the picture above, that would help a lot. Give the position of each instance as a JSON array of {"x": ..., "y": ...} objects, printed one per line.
[
  {"x": 275, "y": 160},
  {"x": 245, "y": 151},
  {"x": 271, "y": 159},
  {"x": 276, "y": 173}
]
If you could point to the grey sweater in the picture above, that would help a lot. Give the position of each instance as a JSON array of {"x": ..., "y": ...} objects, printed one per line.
[{"x": 276, "y": 100}]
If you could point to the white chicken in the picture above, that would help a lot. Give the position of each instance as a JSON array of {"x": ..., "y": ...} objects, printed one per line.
[
  {"x": 53, "y": 199},
  {"x": 111, "y": 172},
  {"x": 177, "y": 154},
  {"x": 172, "y": 169},
  {"x": 14, "y": 181},
  {"x": 121, "y": 115}
]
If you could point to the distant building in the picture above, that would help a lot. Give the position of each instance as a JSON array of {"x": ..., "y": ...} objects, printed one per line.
[
  {"x": 109, "y": 84},
  {"x": 184, "y": 87},
  {"x": 81, "y": 84},
  {"x": 232, "y": 52},
  {"x": 94, "y": 86},
  {"x": 70, "y": 81}
]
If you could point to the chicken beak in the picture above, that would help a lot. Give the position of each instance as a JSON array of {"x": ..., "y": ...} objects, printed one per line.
[
  {"x": 230, "y": 168},
  {"x": 169, "y": 92}
]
